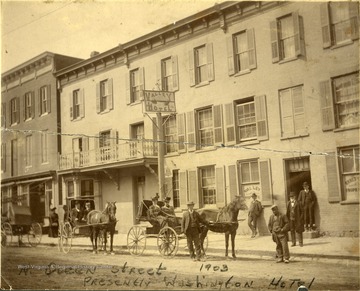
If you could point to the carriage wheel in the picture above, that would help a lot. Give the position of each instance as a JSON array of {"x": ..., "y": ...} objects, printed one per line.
[
  {"x": 168, "y": 241},
  {"x": 34, "y": 234},
  {"x": 136, "y": 240},
  {"x": 66, "y": 237},
  {"x": 6, "y": 234}
]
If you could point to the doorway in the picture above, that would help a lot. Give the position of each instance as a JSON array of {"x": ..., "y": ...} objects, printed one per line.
[
  {"x": 139, "y": 194},
  {"x": 297, "y": 172},
  {"x": 37, "y": 202}
]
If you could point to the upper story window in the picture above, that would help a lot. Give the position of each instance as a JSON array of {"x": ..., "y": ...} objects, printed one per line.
[
  {"x": 241, "y": 52},
  {"x": 135, "y": 85},
  {"x": 246, "y": 120},
  {"x": 292, "y": 112},
  {"x": 77, "y": 106},
  {"x": 340, "y": 102},
  {"x": 29, "y": 105},
  {"x": 70, "y": 189},
  {"x": 167, "y": 74},
  {"x": 104, "y": 96},
  {"x": 105, "y": 140},
  {"x": 44, "y": 100},
  {"x": 201, "y": 65},
  {"x": 287, "y": 40},
  {"x": 3, "y": 114},
  {"x": 340, "y": 22},
  {"x": 138, "y": 131},
  {"x": 207, "y": 184},
  {"x": 170, "y": 130},
  {"x": 350, "y": 174},
  {"x": 14, "y": 110},
  {"x": 205, "y": 127}
]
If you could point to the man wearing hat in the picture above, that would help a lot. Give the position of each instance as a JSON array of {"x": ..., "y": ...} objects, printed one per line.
[
  {"x": 278, "y": 227},
  {"x": 190, "y": 225},
  {"x": 307, "y": 199},
  {"x": 54, "y": 223},
  {"x": 154, "y": 213},
  {"x": 254, "y": 212},
  {"x": 86, "y": 210},
  {"x": 294, "y": 213},
  {"x": 169, "y": 212},
  {"x": 76, "y": 213}
]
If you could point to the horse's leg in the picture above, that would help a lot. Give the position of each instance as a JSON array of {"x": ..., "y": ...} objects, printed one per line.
[
  {"x": 226, "y": 243},
  {"x": 104, "y": 233},
  {"x": 95, "y": 237},
  {"x": 91, "y": 236},
  {"x": 111, "y": 241},
  {"x": 233, "y": 234}
]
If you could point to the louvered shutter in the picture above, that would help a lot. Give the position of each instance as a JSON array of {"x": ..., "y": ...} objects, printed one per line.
[
  {"x": 354, "y": 19},
  {"x": 40, "y": 103},
  {"x": 298, "y": 110},
  {"x": 298, "y": 38},
  {"x": 220, "y": 187},
  {"x": 18, "y": 109},
  {"x": 159, "y": 75},
  {"x": 265, "y": 180},
  {"x": 183, "y": 189},
  {"x": 192, "y": 68},
  {"x": 274, "y": 41},
  {"x": 230, "y": 55},
  {"x": 193, "y": 187},
  {"x": 332, "y": 178},
  {"x": 287, "y": 123},
  {"x": 250, "y": 33},
  {"x": 32, "y": 94},
  {"x": 168, "y": 187},
  {"x": 180, "y": 120},
  {"x": 325, "y": 24},
  {"x": 327, "y": 106},
  {"x": 210, "y": 61},
  {"x": 142, "y": 82},
  {"x": 127, "y": 88},
  {"x": 233, "y": 181},
  {"x": 110, "y": 99},
  {"x": 71, "y": 106},
  {"x": 261, "y": 117},
  {"x": 230, "y": 138},
  {"x": 217, "y": 118},
  {"x": 25, "y": 107},
  {"x": 82, "y": 103},
  {"x": 175, "y": 74},
  {"x": 190, "y": 123},
  {"x": 98, "y": 98}
]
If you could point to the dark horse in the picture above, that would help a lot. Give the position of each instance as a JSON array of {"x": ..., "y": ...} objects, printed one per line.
[
  {"x": 105, "y": 221},
  {"x": 224, "y": 221}
]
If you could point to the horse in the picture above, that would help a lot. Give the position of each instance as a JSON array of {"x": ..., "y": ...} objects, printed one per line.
[
  {"x": 223, "y": 221},
  {"x": 102, "y": 220}
]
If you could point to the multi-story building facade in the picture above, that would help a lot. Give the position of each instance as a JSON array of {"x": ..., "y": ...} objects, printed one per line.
[
  {"x": 267, "y": 97},
  {"x": 30, "y": 123}
]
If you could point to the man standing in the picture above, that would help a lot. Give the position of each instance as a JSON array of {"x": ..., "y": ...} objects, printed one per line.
[
  {"x": 54, "y": 223},
  {"x": 294, "y": 213},
  {"x": 254, "y": 212},
  {"x": 278, "y": 227},
  {"x": 307, "y": 199},
  {"x": 190, "y": 225}
]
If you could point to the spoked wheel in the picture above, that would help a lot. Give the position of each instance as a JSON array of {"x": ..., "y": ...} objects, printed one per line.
[
  {"x": 34, "y": 234},
  {"x": 6, "y": 234},
  {"x": 167, "y": 241},
  {"x": 66, "y": 237},
  {"x": 136, "y": 240}
]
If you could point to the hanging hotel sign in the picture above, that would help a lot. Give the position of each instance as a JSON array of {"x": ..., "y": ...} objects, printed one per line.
[{"x": 159, "y": 101}]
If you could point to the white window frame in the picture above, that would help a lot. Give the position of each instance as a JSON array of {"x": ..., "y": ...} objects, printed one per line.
[
  {"x": 170, "y": 134},
  {"x": 208, "y": 184},
  {"x": 44, "y": 100},
  {"x": 350, "y": 179},
  {"x": 246, "y": 122},
  {"x": 135, "y": 85},
  {"x": 205, "y": 133},
  {"x": 14, "y": 105},
  {"x": 76, "y": 104},
  {"x": 28, "y": 105},
  {"x": 200, "y": 64}
]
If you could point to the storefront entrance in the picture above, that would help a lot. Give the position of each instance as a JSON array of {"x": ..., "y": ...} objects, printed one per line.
[{"x": 297, "y": 172}]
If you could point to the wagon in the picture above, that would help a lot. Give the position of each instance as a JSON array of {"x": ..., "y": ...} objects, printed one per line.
[
  {"x": 167, "y": 237},
  {"x": 18, "y": 222}
]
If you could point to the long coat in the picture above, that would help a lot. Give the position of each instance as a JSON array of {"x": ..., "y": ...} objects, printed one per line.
[
  {"x": 185, "y": 222},
  {"x": 283, "y": 224},
  {"x": 299, "y": 215}
]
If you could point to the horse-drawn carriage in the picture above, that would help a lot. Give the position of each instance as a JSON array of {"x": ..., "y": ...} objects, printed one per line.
[
  {"x": 168, "y": 236},
  {"x": 18, "y": 222}
]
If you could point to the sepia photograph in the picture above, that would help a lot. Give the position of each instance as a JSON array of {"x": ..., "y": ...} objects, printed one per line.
[{"x": 180, "y": 145}]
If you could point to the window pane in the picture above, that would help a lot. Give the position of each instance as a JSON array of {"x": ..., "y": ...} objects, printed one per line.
[
  {"x": 348, "y": 161},
  {"x": 287, "y": 39},
  {"x": 245, "y": 172},
  {"x": 254, "y": 171}
]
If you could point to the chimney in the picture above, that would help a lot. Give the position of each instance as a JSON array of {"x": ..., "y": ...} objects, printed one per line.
[{"x": 93, "y": 54}]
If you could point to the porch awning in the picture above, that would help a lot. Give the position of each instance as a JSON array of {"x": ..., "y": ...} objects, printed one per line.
[{"x": 30, "y": 181}]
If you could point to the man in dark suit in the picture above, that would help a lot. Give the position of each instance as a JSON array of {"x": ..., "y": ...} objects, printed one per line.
[
  {"x": 254, "y": 213},
  {"x": 307, "y": 199},
  {"x": 190, "y": 225},
  {"x": 295, "y": 213}
]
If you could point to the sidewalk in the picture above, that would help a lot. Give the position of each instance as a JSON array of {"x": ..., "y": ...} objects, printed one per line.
[{"x": 336, "y": 249}]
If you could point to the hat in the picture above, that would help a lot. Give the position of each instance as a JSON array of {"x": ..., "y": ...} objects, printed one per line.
[
  {"x": 154, "y": 198},
  {"x": 53, "y": 208},
  {"x": 253, "y": 195},
  {"x": 167, "y": 198},
  {"x": 190, "y": 203},
  {"x": 273, "y": 207},
  {"x": 305, "y": 184},
  {"x": 292, "y": 194},
  {"x": 87, "y": 203}
]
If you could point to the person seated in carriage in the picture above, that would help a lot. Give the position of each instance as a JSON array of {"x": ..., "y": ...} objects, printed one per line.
[
  {"x": 86, "y": 210},
  {"x": 76, "y": 213},
  {"x": 155, "y": 216},
  {"x": 169, "y": 212}
]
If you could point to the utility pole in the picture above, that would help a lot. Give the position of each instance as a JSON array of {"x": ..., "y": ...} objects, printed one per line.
[{"x": 161, "y": 154}]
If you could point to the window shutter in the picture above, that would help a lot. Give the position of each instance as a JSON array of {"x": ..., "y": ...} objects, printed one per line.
[
  {"x": 190, "y": 122},
  {"x": 168, "y": 187},
  {"x": 18, "y": 109},
  {"x": 230, "y": 55},
  {"x": 354, "y": 19},
  {"x": 210, "y": 61},
  {"x": 40, "y": 103},
  {"x": 82, "y": 103},
  {"x": 299, "y": 110},
  {"x": 299, "y": 45},
  {"x": 3, "y": 114},
  {"x": 327, "y": 106},
  {"x": 32, "y": 94},
  {"x": 98, "y": 109},
  {"x": 71, "y": 106},
  {"x": 183, "y": 189},
  {"x": 180, "y": 120},
  {"x": 193, "y": 187},
  {"x": 85, "y": 144},
  {"x": 261, "y": 117},
  {"x": 10, "y": 114},
  {"x": 220, "y": 187},
  {"x": 332, "y": 178},
  {"x": 110, "y": 99},
  {"x": 48, "y": 92},
  {"x": 325, "y": 24},
  {"x": 265, "y": 180},
  {"x": 127, "y": 88},
  {"x": 274, "y": 41},
  {"x": 287, "y": 123},
  {"x": 159, "y": 75},
  {"x": 233, "y": 181},
  {"x": 142, "y": 82},
  {"x": 175, "y": 74},
  {"x": 218, "y": 133},
  {"x": 192, "y": 68},
  {"x": 250, "y": 33},
  {"x": 24, "y": 107},
  {"x": 229, "y": 124}
]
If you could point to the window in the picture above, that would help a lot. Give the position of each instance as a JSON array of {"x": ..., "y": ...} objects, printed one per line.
[
  {"x": 287, "y": 41},
  {"x": 138, "y": 131},
  {"x": 3, "y": 114},
  {"x": 14, "y": 110},
  {"x": 77, "y": 106},
  {"x": 44, "y": 147},
  {"x": 87, "y": 188},
  {"x": 44, "y": 95},
  {"x": 14, "y": 157},
  {"x": 339, "y": 22},
  {"x": 205, "y": 122},
  {"x": 167, "y": 74},
  {"x": 292, "y": 112},
  {"x": 201, "y": 65},
  {"x": 170, "y": 132},
  {"x": 246, "y": 121},
  {"x": 3, "y": 157},
  {"x": 349, "y": 168},
  {"x": 176, "y": 188},
  {"x": 29, "y": 106},
  {"x": 241, "y": 52},
  {"x": 105, "y": 139},
  {"x": 136, "y": 86},
  {"x": 70, "y": 189},
  {"x": 28, "y": 150},
  {"x": 104, "y": 96},
  {"x": 340, "y": 102},
  {"x": 208, "y": 189}
]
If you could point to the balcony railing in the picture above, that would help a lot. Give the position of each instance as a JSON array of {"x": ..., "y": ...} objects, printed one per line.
[{"x": 104, "y": 155}]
